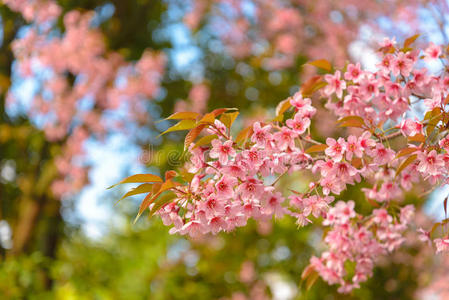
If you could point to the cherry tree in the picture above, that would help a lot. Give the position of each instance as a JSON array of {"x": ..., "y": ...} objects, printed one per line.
[
  {"x": 274, "y": 34},
  {"x": 74, "y": 69}
]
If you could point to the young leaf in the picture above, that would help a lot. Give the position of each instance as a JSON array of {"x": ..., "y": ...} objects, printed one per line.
[
  {"x": 170, "y": 174},
  {"x": 192, "y": 135},
  {"x": 316, "y": 148},
  {"x": 405, "y": 163},
  {"x": 410, "y": 40},
  {"x": 205, "y": 140},
  {"x": 307, "y": 271},
  {"x": 417, "y": 138},
  {"x": 161, "y": 202},
  {"x": 244, "y": 134},
  {"x": 351, "y": 121},
  {"x": 322, "y": 64},
  {"x": 150, "y": 198},
  {"x": 406, "y": 151},
  {"x": 283, "y": 106},
  {"x": 357, "y": 162},
  {"x": 228, "y": 118},
  {"x": 434, "y": 227},
  {"x": 143, "y": 188},
  {"x": 219, "y": 111},
  {"x": 312, "y": 85},
  {"x": 311, "y": 279},
  {"x": 208, "y": 118},
  {"x": 185, "y": 115},
  {"x": 182, "y": 125},
  {"x": 139, "y": 178}
]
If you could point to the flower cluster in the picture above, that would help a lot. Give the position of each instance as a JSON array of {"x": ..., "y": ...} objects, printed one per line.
[
  {"x": 354, "y": 243},
  {"x": 82, "y": 71},
  {"x": 280, "y": 31},
  {"x": 231, "y": 179}
]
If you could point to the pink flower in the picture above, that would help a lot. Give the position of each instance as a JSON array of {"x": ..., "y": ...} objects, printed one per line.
[
  {"x": 225, "y": 187},
  {"x": 303, "y": 106},
  {"x": 410, "y": 128},
  {"x": 424, "y": 236},
  {"x": 442, "y": 245},
  {"x": 222, "y": 151},
  {"x": 432, "y": 52},
  {"x": 335, "y": 84},
  {"x": 298, "y": 124},
  {"x": 402, "y": 65},
  {"x": 382, "y": 155},
  {"x": 273, "y": 204},
  {"x": 341, "y": 213},
  {"x": 285, "y": 138},
  {"x": 250, "y": 189},
  {"x": 365, "y": 141},
  {"x": 387, "y": 42},
  {"x": 407, "y": 213},
  {"x": 353, "y": 73},
  {"x": 234, "y": 170},
  {"x": 386, "y": 64},
  {"x": 193, "y": 228},
  {"x": 353, "y": 147},
  {"x": 261, "y": 135},
  {"x": 217, "y": 224},
  {"x": 381, "y": 216},
  {"x": 430, "y": 163},
  {"x": 335, "y": 148},
  {"x": 444, "y": 143},
  {"x": 301, "y": 220}
]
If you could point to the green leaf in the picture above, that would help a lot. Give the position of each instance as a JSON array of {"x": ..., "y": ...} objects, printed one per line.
[
  {"x": 205, "y": 140},
  {"x": 228, "y": 118},
  {"x": 434, "y": 227},
  {"x": 161, "y": 202},
  {"x": 143, "y": 188},
  {"x": 139, "y": 178},
  {"x": 184, "y": 115},
  {"x": 244, "y": 134},
  {"x": 150, "y": 198},
  {"x": 208, "y": 118},
  {"x": 283, "y": 106},
  {"x": 182, "y": 125}
]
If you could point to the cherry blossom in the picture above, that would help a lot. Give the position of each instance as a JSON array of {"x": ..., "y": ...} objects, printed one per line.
[{"x": 236, "y": 178}]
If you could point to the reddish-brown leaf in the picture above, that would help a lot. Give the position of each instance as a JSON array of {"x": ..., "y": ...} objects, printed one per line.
[
  {"x": 322, "y": 64},
  {"x": 244, "y": 134},
  {"x": 192, "y": 135},
  {"x": 316, "y": 148},
  {"x": 406, "y": 151},
  {"x": 405, "y": 163}
]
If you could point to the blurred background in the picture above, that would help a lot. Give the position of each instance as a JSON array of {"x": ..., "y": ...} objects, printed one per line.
[{"x": 84, "y": 85}]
